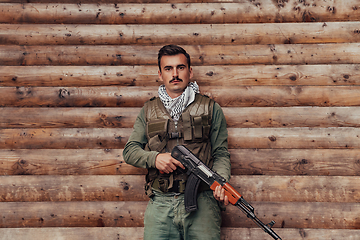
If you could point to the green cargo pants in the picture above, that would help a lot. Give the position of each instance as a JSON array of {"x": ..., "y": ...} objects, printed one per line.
[{"x": 166, "y": 218}]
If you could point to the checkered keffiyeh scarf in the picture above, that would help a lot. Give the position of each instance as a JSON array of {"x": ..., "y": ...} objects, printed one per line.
[{"x": 177, "y": 105}]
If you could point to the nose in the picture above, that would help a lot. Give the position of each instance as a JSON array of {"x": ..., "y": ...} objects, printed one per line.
[{"x": 175, "y": 72}]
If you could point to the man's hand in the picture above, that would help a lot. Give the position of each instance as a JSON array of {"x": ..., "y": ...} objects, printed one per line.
[
  {"x": 167, "y": 164},
  {"x": 219, "y": 194}
]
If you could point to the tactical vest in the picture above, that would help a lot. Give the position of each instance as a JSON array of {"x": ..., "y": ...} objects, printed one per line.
[{"x": 192, "y": 130}]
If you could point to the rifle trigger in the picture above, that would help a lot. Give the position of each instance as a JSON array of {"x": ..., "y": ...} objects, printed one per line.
[{"x": 271, "y": 224}]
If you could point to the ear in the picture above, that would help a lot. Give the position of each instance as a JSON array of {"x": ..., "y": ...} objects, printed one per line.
[
  {"x": 160, "y": 76},
  {"x": 191, "y": 73}
]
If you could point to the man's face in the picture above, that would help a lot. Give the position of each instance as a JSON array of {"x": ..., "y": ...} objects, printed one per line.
[{"x": 175, "y": 74}]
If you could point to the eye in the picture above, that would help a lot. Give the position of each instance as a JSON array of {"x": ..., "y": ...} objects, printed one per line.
[{"x": 181, "y": 67}]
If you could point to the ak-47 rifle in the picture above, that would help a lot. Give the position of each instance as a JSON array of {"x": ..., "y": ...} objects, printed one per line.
[{"x": 197, "y": 171}]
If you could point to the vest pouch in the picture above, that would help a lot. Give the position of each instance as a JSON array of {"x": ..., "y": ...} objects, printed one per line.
[
  {"x": 200, "y": 128},
  {"x": 156, "y": 131},
  {"x": 154, "y": 143},
  {"x": 157, "y": 127}
]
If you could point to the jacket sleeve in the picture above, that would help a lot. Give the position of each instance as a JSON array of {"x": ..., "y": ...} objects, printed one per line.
[
  {"x": 219, "y": 143},
  {"x": 134, "y": 153}
]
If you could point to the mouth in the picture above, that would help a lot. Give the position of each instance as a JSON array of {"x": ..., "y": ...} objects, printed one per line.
[{"x": 175, "y": 80}]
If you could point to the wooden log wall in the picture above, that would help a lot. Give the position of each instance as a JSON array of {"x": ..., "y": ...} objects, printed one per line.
[{"x": 74, "y": 75}]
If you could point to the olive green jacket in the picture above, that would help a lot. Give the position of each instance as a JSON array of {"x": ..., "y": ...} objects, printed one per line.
[{"x": 134, "y": 153}]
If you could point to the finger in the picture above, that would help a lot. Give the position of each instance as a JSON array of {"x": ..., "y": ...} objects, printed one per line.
[
  {"x": 226, "y": 200},
  {"x": 218, "y": 192},
  {"x": 215, "y": 193},
  {"x": 172, "y": 167},
  {"x": 177, "y": 163},
  {"x": 222, "y": 194}
]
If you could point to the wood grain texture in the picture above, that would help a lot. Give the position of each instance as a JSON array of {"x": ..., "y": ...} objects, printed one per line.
[
  {"x": 278, "y": 162},
  {"x": 299, "y": 138},
  {"x": 236, "y": 117},
  {"x": 237, "y": 75},
  {"x": 341, "y": 189},
  {"x": 270, "y": 162},
  {"x": 178, "y": 11},
  {"x": 130, "y": 214},
  {"x": 65, "y": 162},
  {"x": 74, "y": 76},
  {"x": 103, "y": 233},
  {"x": 68, "y": 138},
  {"x": 226, "y": 96},
  {"x": 74, "y": 233},
  {"x": 288, "y": 233},
  {"x": 114, "y": 138},
  {"x": 81, "y": 117},
  {"x": 275, "y": 162},
  {"x": 86, "y": 55},
  {"x": 195, "y": 34},
  {"x": 72, "y": 188}
]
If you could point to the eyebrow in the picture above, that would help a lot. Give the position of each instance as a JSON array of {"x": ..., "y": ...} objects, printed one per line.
[{"x": 180, "y": 65}]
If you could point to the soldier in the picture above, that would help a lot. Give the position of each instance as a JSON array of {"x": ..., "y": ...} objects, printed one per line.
[{"x": 180, "y": 115}]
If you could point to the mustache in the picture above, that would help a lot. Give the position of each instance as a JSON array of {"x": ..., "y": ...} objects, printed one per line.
[{"x": 176, "y": 79}]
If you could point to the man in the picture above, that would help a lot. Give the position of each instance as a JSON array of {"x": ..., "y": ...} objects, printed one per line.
[{"x": 180, "y": 115}]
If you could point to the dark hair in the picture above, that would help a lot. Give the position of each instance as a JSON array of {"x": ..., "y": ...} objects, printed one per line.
[{"x": 172, "y": 50}]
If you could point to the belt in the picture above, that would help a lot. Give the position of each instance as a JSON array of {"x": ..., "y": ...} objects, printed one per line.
[{"x": 178, "y": 187}]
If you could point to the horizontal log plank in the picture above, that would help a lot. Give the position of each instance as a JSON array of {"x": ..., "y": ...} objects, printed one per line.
[
  {"x": 130, "y": 214},
  {"x": 57, "y": 138},
  {"x": 65, "y": 162},
  {"x": 288, "y": 233},
  {"x": 297, "y": 188},
  {"x": 325, "y": 162},
  {"x": 284, "y": 96},
  {"x": 298, "y": 215},
  {"x": 68, "y": 117},
  {"x": 287, "y": 54},
  {"x": 334, "y": 75},
  {"x": 240, "y": 96},
  {"x": 236, "y": 117},
  {"x": 75, "y": 97},
  {"x": 91, "y": 75},
  {"x": 131, "y": 188},
  {"x": 72, "y": 214},
  {"x": 300, "y": 138},
  {"x": 263, "y": 117},
  {"x": 73, "y": 233},
  {"x": 137, "y": 233},
  {"x": 184, "y": 11},
  {"x": 72, "y": 188},
  {"x": 197, "y": 34},
  {"x": 110, "y": 138}
]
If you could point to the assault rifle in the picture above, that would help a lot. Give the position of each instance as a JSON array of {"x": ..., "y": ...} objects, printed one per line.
[{"x": 197, "y": 171}]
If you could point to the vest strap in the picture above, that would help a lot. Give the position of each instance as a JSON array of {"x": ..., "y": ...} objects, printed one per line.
[
  {"x": 187, "y": 126},
  {"x": 198, "y": 127}
]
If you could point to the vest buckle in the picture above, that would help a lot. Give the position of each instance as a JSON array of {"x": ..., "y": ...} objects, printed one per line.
[{"x": 174, "y": 135}]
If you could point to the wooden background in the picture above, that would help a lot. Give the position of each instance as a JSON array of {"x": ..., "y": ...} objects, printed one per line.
[{"x": 73, "y": 77}]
